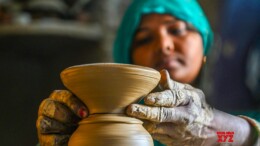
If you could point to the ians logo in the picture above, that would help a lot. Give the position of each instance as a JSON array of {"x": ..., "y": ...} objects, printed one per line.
[{"x": 225, "y": 137}]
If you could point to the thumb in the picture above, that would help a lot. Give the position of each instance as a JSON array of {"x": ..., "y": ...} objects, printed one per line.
[{"x": 167, "y": 83}]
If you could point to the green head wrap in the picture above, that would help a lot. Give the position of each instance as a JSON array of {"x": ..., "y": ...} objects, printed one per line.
[{"x": 186, "y": 10}]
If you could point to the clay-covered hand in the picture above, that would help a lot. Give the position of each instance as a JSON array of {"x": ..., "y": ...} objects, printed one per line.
[
  {"x": 58, "y": 117},
  {"x": 177, "y": 116}
]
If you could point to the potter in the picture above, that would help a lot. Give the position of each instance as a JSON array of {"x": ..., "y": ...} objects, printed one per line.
[{"x": 173, "y": 35}]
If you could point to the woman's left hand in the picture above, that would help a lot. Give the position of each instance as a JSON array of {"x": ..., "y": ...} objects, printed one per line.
[{"x": 179, "y": 115}]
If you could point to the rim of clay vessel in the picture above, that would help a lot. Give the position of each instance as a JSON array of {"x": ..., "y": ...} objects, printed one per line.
[
  {"x": 109, "y": 87},
  {"x": 132, "y": 69}
]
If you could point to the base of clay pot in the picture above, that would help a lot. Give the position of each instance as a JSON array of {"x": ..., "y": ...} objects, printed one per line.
[{"x": 110, "y": 129}]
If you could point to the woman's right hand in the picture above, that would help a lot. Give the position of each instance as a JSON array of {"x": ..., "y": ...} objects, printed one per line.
[{"x": 58, "y": 118}]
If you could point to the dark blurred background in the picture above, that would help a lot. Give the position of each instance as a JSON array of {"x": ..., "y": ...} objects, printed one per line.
[{"x": 40, "y": 38}]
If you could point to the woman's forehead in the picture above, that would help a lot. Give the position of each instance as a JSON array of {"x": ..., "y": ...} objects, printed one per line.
[{"x": 157, "y": 19}]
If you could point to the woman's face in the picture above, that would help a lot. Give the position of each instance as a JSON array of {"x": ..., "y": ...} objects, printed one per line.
[{"x": 163, "y": 42}]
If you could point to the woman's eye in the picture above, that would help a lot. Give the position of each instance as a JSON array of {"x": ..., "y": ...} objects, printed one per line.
[
  {"x": 177, "y": 31},
  {"x": 143, "y": 41}
]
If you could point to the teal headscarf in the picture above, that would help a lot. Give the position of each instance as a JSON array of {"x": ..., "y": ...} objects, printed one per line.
[{"x": 186, "y": 10}]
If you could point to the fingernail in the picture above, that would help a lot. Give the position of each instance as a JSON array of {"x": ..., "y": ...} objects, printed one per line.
[
  {"x": 82, "y": 112},
  {"x": 150, "y": 99},
  {"x": 131, "y": 109}
]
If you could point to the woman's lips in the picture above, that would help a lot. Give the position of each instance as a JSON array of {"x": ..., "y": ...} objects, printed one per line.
[{"x": 170, "y": 64}]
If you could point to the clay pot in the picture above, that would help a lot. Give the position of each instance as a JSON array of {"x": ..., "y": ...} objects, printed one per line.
[{"x": 107, "y": 89}]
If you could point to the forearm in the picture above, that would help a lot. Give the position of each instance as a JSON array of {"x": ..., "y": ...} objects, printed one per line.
[{"x": 244, "y": 134}]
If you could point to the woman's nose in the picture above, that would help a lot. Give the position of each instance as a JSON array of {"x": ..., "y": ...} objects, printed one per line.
[{"x": 166, "y": 44}]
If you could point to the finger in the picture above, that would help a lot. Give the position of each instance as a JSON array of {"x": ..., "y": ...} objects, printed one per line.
[
  {"x": 46, "y": 125},
  {"x": 159, "y": 114},
  {"x": 144, "y": 112},
  {"x": 167, "y": 83},
  {"x": 171, "y": 134},
  {"x": 53, "y": 140},
  {"x": 57, "y": 111},
  {"x": 168, "y": 98},
  {"x": 174, "y": 130},
  {"x": 166, "y": 128},
  {"x": 67, "y": 98}
]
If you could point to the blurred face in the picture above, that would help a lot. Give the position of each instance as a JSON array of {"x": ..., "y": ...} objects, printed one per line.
[{"x": 163, "y": 42}]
